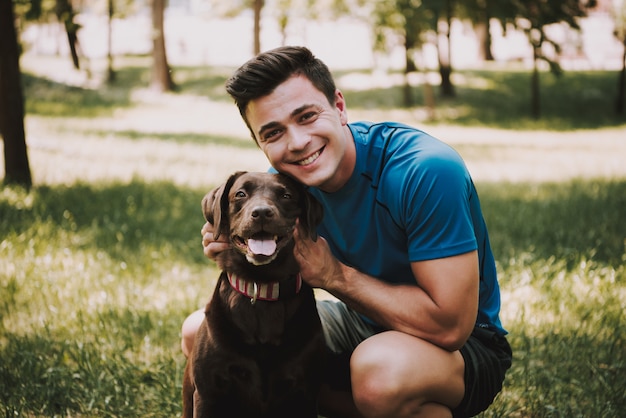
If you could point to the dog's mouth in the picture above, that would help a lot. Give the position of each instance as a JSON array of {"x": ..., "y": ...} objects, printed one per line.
[{"x": 260, "y": 248}]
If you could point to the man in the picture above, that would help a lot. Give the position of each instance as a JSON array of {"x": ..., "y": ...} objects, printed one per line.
[{"x": 405, "y": 248}]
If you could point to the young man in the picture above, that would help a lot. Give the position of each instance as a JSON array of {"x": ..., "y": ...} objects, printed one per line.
[{"x": 404, "y": 249}]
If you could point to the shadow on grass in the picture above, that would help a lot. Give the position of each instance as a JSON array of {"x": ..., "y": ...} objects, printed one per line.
[
  {"x": 564, "y": 221},
  {"x": 49, "y": 98},
  {"x": 120, "y": 219}
]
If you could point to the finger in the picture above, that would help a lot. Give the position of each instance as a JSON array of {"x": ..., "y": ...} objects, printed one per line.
[
  {"x": 207, "y": 227},
  {"x": 214, "y": 248}
]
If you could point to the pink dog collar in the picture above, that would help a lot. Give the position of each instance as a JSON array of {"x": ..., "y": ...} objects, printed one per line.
[{"x": 263, "y": 291}]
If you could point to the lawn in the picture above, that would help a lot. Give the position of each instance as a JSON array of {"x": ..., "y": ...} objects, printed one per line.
[{"x": 101, "y": 261}]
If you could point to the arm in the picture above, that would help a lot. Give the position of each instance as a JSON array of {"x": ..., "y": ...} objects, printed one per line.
[{"x": 441, "y": 309}]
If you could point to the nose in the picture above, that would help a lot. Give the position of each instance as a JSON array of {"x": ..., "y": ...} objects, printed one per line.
[
  {"x": 262, "y": 212},
  {"x": 299, "y": 139}
]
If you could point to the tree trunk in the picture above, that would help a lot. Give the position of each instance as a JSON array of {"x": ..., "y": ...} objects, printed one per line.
[
  {"x": 258, "y": 7},
  {"x": 16, "y": 166},
  {"x": 483, "y": 34},
  {"x": 409, "y": 65},
  {"x": 445, "y": 56},
  {"x": 535, "y": 95},
  {"x": 161, "y": 76},
  {"x": 65, "y": 15},
  {"x": 621, "y": 88},
  {"x": 110, "y": 71}
]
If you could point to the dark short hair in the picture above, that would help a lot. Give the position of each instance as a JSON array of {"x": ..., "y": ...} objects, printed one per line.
[{"x": 262, "y": 74}]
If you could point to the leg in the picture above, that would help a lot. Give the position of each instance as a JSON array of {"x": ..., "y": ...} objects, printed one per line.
[
  {"x": 398, "y": 375},
  {"x": 189, "y": 330}
]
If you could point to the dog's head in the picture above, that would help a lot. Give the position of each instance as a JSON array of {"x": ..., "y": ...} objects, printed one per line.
[{"x": 258, "y": 212}]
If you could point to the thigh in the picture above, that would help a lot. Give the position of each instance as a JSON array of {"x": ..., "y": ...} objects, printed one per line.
[{"x": 416, "y": 370}]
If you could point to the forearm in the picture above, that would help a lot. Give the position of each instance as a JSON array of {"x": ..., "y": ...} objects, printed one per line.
[{"x": 405, "y": 308}]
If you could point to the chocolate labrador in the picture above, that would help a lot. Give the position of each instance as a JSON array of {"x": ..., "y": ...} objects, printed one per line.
[{"x": 259, "y": 352}]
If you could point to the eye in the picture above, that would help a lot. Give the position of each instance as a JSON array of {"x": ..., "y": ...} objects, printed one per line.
[
  {"x": 240, "y": 194},
  {"x": 287, "y": 196},
  {"x": 308, "y": 116},
  {"x": 272, "y": 135}
]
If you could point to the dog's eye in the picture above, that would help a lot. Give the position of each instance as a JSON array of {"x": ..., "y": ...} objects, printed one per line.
[
  {"x": 240, "y": 193},
  {"x": 287, "y": 196}
]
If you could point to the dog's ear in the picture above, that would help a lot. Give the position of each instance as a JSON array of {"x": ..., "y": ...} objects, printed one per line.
[
  {"x": 312, "y": 213},
  {"x": 215, "y": 206}
]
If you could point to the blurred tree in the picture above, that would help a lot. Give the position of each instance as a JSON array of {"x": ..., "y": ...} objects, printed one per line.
[
  {"x": 481, "y": 13},
  {"x": 409, "y": 21},
  {"x": 111, "y": 12},
  {"x": 65, "y": 14},
  {"x": 235, "y": 7},
  {"x": 533, "y": 16},
  {"x": 619, "y": 17},
  {"x": 161, "y": 73},
  {"x": 63, "y": 10},
  {"x": 257, "y": 6},
  {"x": 443, "y": 22},
  {"x": 16, "y": 166}
]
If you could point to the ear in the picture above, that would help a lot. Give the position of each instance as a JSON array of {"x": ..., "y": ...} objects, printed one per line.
[
  {"x": 312, "y": 214},
  {"x": 215, "y": 206}
]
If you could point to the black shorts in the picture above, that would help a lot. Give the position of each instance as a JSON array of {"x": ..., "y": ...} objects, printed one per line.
[{"x": 487, "y": 357}]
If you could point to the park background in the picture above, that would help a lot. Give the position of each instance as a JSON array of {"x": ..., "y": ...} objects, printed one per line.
[{"x": 100, "y": 260}]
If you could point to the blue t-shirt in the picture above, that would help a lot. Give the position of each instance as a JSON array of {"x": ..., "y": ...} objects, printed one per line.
[{"x": 410, "y": 198}]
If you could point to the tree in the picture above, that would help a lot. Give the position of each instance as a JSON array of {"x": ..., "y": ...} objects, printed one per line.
[
  {"x": 444, "y": 52},
  {"x": 235, "y": 7},
  {"x": 410, "y": 21},
  {"x": 533, "y": 16},
  {"x": 161, "y": 74},
  {"x": 65, "y": 14},
  {"x": 16, "y": 166},
  {"x": 257, "y": 6},
  {"x": 111, "y": 13},
  {"x": 619, "y": 16}
]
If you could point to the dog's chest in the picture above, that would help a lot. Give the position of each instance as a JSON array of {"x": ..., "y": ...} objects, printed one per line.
[{"x": 262, "y": 322}]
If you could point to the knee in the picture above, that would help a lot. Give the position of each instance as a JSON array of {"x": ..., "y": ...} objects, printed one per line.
[
  {"x": 376, "y": 380},
  {"x": 189, "y": 330}
]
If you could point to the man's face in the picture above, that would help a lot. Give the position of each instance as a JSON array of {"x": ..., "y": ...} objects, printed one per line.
[{"x": 303, "y": 135}]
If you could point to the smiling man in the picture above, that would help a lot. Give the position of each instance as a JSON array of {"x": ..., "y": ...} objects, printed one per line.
[{"x": 416, "y": 328}]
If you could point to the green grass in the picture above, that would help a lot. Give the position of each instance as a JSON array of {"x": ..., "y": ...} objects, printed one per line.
[{"x": 97, "y": 279}]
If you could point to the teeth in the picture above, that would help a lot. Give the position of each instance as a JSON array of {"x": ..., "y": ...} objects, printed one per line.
[{"x": 310, "y": 159}]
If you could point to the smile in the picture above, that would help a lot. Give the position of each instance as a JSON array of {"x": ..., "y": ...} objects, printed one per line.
[{"x": 310, "y": 159}]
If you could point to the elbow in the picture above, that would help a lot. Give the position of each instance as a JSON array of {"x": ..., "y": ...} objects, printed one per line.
[
  {"x": 456, "y": 336},
  {"x": 453, "y": 341}
]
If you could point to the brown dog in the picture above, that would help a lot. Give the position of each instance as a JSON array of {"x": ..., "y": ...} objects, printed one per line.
[{"x": 259, "y": 352}]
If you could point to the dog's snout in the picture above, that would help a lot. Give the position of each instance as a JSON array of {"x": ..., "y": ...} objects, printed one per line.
[{"x": 262, "y": 212}]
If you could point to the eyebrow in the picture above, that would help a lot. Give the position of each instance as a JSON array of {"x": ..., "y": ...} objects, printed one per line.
[{"x": 296, "y": 111}]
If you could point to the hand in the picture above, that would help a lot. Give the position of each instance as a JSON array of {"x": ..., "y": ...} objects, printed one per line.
[
  {"x": 212, "y": 247},
  {"x": 318, "y": 266}
]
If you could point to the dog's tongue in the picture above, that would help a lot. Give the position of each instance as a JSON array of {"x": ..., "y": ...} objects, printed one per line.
[{"x": 262, "y": 246}]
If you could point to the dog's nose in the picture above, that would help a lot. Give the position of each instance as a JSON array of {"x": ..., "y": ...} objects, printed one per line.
[{"x": 262, "y": 212}]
